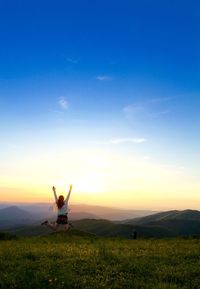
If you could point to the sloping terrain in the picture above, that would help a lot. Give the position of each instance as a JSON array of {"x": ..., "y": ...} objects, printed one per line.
[
  {"x": 192, "y": 215},
  {"x": 80, "y": 260}
]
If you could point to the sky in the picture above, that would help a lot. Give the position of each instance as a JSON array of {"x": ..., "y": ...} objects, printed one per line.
[{"x": 104, "y": 95}]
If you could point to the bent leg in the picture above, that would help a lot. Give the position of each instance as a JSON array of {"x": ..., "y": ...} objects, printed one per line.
[
  {"x": 66, "y": 227},
  {"x": 54, "y": 226}
]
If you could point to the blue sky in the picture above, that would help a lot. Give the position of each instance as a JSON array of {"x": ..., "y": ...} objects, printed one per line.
[{"x": 116, "y": 76}]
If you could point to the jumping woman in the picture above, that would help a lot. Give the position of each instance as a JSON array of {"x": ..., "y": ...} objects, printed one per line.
[{"x": 62, "y": 208}]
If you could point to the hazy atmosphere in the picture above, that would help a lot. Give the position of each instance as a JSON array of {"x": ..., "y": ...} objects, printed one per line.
[{"x": 104, "y": 95}]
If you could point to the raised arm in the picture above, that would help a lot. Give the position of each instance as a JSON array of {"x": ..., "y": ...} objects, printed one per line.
[
  {"x": 54, "y": 191},
  {"x": 69, "y": 193}
]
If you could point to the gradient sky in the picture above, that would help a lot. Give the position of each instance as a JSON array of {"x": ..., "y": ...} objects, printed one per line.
[{"x": 104, "y": 95}]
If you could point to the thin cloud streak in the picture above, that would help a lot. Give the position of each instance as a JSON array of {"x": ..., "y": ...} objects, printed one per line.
[
  {"x": 128, "y": 140},
  {"x": 153, "y": 107},
  {"x": 160, "y": 99},
  {"x": 160, "y": 113},
  {"x": 103, "y": 77}
]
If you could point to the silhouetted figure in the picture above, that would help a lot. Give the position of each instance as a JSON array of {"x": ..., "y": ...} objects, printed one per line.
[
  {"x": 62, "y": 208},
  {"x": 134, "y": 235}
]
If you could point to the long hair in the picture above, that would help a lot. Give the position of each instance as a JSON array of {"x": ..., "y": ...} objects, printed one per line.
[{"x": 60, "y": 202}]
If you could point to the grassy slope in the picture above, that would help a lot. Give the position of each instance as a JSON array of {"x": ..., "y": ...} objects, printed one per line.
[
  {"x": 105, "y": 228},
  {"x": 186, "y": 215},
  {"x": 79, "y": 260}
]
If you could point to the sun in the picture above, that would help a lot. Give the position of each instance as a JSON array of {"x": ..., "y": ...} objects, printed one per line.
[
  {"x": 89, "y": 182},
  {"x": 85, "y": 170}
]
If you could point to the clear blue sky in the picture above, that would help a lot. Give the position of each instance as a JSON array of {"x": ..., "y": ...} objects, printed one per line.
[{"x": 121, "y": 76}]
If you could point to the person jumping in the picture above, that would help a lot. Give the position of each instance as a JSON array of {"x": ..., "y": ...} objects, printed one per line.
[{"x": 62, "y": 207}]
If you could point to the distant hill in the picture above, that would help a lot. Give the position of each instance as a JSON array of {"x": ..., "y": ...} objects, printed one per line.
[
  {"x": 109, "y": 213},
  {"x": 82, "y": 215},
  {"x": 191, "y": 215},
  {"x": 168, "y": 224},
  {"x": 106, "y": 228},
  {"x": 4, "y": 205},
  {"x": 14, "y": 212},
  {"x": 45, "y": 210},
  {"x": 14, "y": 216},
  {"x": 99, "y": 212}
]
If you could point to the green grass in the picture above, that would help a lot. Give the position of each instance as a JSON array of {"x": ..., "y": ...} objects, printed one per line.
[{"x": 79, "y": 260}]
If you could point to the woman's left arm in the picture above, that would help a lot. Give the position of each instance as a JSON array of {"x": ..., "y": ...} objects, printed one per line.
[{"x": 69, "y": 193}]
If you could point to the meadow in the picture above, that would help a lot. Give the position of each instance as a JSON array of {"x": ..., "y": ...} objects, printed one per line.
[{"x": 80, "y": 260}]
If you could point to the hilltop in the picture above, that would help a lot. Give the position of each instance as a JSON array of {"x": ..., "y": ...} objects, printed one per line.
[
  {"x": 168, "y": 224},
  {"x": 13, "y": 216},
  {"x": 14, "y": 212},
  {"x": 191, "y": 215}
]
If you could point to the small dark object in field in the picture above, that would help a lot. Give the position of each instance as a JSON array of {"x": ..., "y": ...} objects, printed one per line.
[{"x": 134, "y": 235}]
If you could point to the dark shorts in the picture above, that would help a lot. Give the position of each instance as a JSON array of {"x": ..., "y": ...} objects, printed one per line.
[{"x": 62, "y": 220}]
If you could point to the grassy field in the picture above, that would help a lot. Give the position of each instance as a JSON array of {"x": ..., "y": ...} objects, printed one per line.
[{"x": 79, "y": 260}]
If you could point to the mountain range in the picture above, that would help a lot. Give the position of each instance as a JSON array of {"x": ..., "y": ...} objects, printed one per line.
[
  {"x": 26, "y": 213},
  {"x": 164, "y": 224}
]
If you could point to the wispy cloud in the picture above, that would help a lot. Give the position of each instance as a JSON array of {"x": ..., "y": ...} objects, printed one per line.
[
  {"x": 160, "y": 99},
  {"x": 103, "y": 77},
  {"x": 133, "y": 107},
  {"x": 72, "y": 60},
  {"x": 133, "y": 110},
  {"x": 160, "y": 113},
  {"x": 128, "y": 140},
  {"x": 63, "y": 103},
  {"x": 150, "y": 108}
]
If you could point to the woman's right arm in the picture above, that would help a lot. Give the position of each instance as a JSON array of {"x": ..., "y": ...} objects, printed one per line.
[{"x": 54, "y": 191}]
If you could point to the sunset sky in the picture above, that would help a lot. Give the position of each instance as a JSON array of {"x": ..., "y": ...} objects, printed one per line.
[{"x": 104, "y": 95}]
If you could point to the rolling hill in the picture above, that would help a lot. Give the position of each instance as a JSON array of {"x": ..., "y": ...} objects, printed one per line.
[
  {"x": 13, "y": 216},
  {"x": 96, "y": 227},
  {"x": 104, "y": 228},
  {"x": 166, "y": 224},
  {"x": 28, "y": 214},
  {"x": 190, "y": 215},
  {"x": 14, "y": 212},
  {"x": 45, "y": 210},
  {"x": 113, "y": 214}
]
